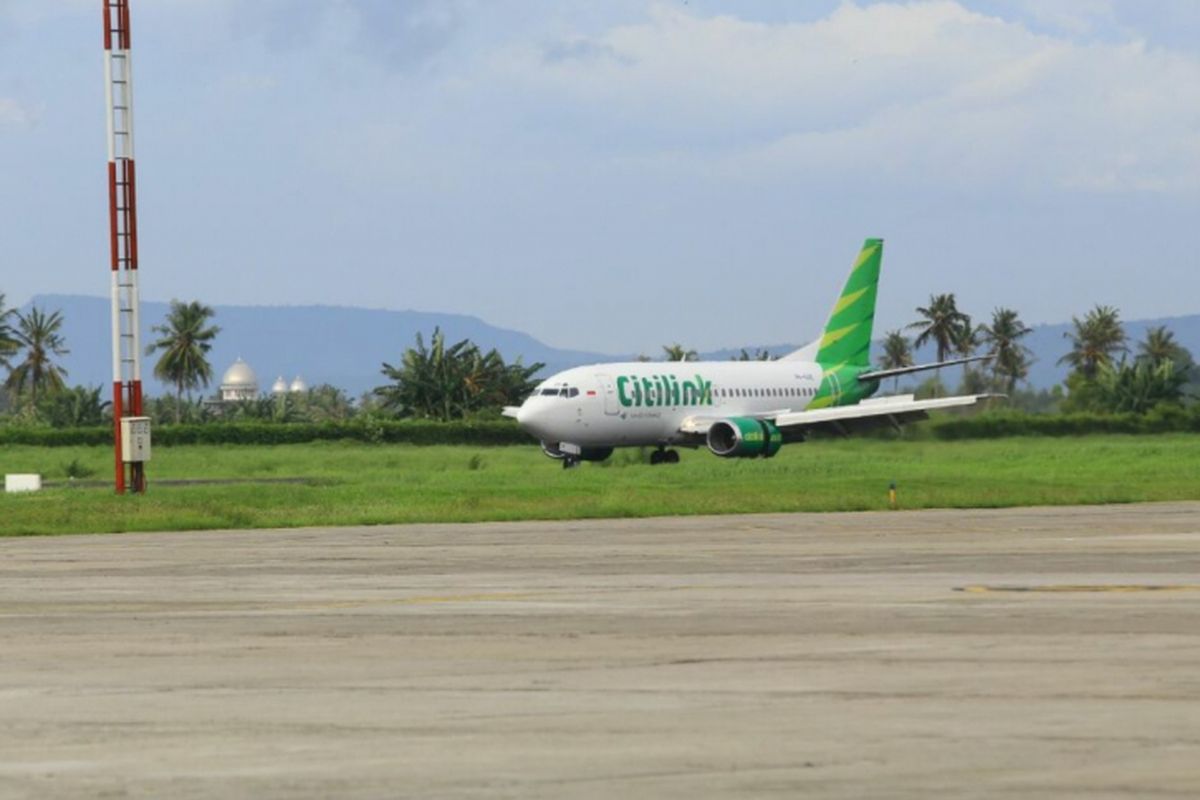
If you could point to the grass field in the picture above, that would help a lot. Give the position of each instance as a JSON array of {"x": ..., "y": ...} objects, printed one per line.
[{"x": 351, "y": 483}]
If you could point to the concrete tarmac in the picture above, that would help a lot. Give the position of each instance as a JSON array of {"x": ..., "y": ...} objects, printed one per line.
[{"x": 1011, "y": 653}]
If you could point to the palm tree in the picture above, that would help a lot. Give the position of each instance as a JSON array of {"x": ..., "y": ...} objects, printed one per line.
[
  {"x": 38, "y": 335},
  {"x": 1094, "y": 341},
  {"x": 184, "y": 340},
  {"x": 445, "y": 383},
  {"x": 1139, "y": 387},
  {"x": 1160, "y": 345},
  {"x": 676, "y": 352},
  {"x": 762, "y": 354},
  {"x": 1010, "y": 358},
  {"x": 77, "y": 407},
  {"x": 944, "y": 324},
  {"x": 967, "y": 339},
  {"x": 897, "y": 354},
  {"x": 8, "y": 340}
]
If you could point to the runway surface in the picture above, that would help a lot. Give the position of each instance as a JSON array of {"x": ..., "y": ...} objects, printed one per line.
[{"x": 1013, "y": 653}]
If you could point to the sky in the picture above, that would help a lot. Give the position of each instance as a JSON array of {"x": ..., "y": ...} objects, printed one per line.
[{"x": 615, "y": 176}]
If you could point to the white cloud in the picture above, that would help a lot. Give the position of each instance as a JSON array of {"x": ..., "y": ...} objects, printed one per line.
[
  {"x": 15, "y": 114},
  {"x": 1079, "y": 17},
  {"x": 928, "y": 92}
]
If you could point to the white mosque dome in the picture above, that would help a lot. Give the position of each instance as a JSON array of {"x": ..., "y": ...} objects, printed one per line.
[
  {"x": 239, "y": 382},
  {"x": 240, "y": 375},
  {"x": 298, "y": 385},
  {"x": 280, "y": 386}
]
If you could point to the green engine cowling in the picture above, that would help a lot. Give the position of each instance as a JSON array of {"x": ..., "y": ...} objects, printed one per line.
[{"x": 744, "y": 437}]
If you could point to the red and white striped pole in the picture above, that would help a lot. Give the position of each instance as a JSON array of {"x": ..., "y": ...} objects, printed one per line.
[{"x": 122, "y": 204}]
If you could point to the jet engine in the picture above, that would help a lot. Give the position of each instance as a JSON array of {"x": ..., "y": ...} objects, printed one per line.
[
  {"x": 744, "y": 437},
  {"x": 553, "y": 450}
]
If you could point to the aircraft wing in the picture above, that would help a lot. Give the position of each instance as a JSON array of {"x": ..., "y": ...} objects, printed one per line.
[
  {"x": 844, "y": 420},
  {"x": 510, "y": 411},
  {"x": 874, "y": 413}
]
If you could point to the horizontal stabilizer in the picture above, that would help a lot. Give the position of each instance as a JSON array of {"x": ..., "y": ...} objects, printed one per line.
[{"x": 880, "y": 374}]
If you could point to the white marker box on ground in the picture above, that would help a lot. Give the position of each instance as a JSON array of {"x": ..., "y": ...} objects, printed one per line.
[
  {"x": 22, "y": 483},
  {"x": 135, "y": 439}
]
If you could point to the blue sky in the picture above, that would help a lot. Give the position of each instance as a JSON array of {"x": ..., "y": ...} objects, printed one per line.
[{"x": 617, "y": 175}]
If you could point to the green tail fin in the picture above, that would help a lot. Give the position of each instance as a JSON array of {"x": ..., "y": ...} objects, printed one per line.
[{"x": 847, "y": 337}]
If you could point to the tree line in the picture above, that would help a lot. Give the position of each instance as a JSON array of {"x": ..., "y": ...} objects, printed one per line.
[
  {"x": 1106, "y": 376},
  {"x": 440, "y": 381},
  {"x": 459, "y": 380}
]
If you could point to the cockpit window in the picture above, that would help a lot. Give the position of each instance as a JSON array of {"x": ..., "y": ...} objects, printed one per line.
[
  {"x": 571, "y": 392},
  {"x": 553, "y": 392}
]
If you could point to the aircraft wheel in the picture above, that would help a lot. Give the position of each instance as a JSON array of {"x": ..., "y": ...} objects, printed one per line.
[
  {"x": 570, "y": 463},
  {"x": 657, "y": 457},
  {"x": 671, "y": 457}
]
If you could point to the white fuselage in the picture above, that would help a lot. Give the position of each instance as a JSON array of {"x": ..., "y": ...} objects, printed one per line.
[{"x": 645, "y": 403}]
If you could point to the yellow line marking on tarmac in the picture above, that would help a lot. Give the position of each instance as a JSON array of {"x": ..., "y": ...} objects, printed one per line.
[{"x": 1067, "y": 588}]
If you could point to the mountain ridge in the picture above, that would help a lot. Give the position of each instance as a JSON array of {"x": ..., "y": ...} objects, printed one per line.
[{"x": 290, "y": 341}]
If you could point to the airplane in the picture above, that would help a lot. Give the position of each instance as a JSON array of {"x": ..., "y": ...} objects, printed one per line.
[{"x": 737, "y": 409}]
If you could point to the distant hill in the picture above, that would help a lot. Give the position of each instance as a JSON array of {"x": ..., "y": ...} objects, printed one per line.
[
  {"x": 323, "y": 344},
  {"x": 346, "y": 346}
]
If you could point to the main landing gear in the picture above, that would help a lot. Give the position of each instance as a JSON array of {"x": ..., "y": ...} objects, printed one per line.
[{"x": 664, "y": 456}]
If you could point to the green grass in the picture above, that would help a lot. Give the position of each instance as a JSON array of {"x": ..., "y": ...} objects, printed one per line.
[{"x": 352, "y": 483}]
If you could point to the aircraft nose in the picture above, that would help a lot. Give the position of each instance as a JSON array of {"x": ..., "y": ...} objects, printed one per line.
[
  {"x": 533, "y": 418},
  {"x": 526, "y": 414}
]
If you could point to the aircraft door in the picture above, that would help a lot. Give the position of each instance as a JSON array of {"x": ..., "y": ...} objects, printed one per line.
[{"x": 612, "y": 406}]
